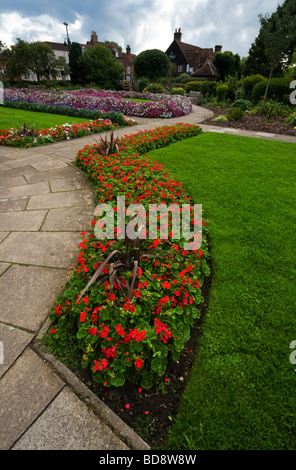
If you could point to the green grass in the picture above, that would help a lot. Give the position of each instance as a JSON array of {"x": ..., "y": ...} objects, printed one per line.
[
  {"x": 241, "y": 390},
  {"x": 16, "y": 118}
]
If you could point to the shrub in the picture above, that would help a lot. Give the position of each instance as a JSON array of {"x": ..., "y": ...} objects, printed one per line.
[
  {"x": 221, "y": 118},
  {"x": 184, "y": 78},
  {"x": 235, "y": 114},
  {"x": 291, "y": 119},
  {"x": 178, "y": 91},
  {"x": 193, "y": 86},
  {"x": 209, "y": 88},
  {"x": 142, "y": 84},
  {"x": 243, "y": 104},
  {"x": 222, "y": 91},
  {"x": 249, "y": 83},
  {"x": 154, "y": 88},
  {"x": 272, "y": 108},
  {"x": 278, "y": 88}
]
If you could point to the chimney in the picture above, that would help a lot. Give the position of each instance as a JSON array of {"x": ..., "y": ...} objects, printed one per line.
[
  {"x": 128, "y": 49},
  {"x": 94, "y": 38},
  {"x": 218, "y": 49},
  {"x": 178, "y": 35}
]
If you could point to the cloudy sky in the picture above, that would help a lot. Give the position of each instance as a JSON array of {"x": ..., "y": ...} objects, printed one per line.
[{"x": 143, "y": 24}]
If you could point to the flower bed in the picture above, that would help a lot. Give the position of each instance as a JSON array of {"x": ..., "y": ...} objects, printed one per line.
[
  {"x": 24, "y": 137},
  {"x": 157, "y": 105},
  {"x": 140, "y": 314}
]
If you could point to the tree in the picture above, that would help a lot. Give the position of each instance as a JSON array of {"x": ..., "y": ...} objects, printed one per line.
[
  {"x": 226, "y": 64},
  {"x": 277, "y": 34},
  {"x": 98, "y": 65},
  {"x": 152, "y": 64},
  {"x": 43, "y": 61},
  {"x": 18, "y": 60},
  {"x": 74, "y": 54}
]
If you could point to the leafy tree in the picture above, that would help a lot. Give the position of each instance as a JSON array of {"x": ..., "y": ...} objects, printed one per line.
[
  {"x": 152, "y": 64},
  {"x": 74, "y": 54},
  {"x": 226, "y": 64},
  {"x": 98, "y": 65},
  {"x": 277, "y": 32},
  {"x": 43, "y": 60},
  {"x": 18, "y": 60}
]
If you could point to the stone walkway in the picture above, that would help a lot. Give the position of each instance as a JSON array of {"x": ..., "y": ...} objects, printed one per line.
[{"x": 45, "y": 202}]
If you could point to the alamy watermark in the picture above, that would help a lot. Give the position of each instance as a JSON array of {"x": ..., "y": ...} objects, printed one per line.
[
  {"x": 293, "y": 94},
  {"x": 293, "y": 353},
  {"x": 185, "y": 223},
  {"x": 1, "y": 93}
]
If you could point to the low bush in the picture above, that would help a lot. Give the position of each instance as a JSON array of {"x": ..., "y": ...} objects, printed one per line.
[
  {"x": 129, "y": 305},
  {"x": 249, "y": 82},
  {"x": 272, "y": 108},
  {"x": 154, "y": 88},
  {"x": 221, "y": 118},
  {"x": 292, "y": 119},
  {"x": 245, "y": 105},
  {"x": 193, "y": 86},
  {"x": 235, "y": 114},
  {"x": 178, "y": 91}
]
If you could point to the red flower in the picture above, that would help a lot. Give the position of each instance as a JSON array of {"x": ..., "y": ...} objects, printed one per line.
[
  {"x": 105, "y": 332},
  {"x": 139, "y": 363},
  {"x": 120, "y": 330}
]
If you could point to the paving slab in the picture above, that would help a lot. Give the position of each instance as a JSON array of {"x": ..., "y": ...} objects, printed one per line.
[
  {"x": 49, "y": 164},
  {"x": 4, "y": 267},
  {"x": 30, "y": 221},
  {"x": 13, "y": 204},
  {"x": 22, "y": 161},
  {"x": 69, "y": 219},
  {"x": 25, "y": 190},
  {"x": 25, "y": 170},
  {"x": 13, "y": 341},
  {"x": 26, "y": 389},
  {"x": 68, "y": 424},
  {"x": 35, "y": 176},
  {"x": 3, "y": 235},
  {"x": 68, "y": 184},
  {"x": 27, "y": 293},
  {"x": 12, "y": 181},
  {"x": 4, "y": 167},
  {"x": 40, "y": 248},
  {"x": 64, "y": 199}
]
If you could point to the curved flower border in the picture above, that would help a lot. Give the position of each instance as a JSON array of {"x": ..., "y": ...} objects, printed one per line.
[{"x": 155, "y": 105}]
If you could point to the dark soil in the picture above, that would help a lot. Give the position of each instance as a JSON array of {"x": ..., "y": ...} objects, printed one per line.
[
  {"x": 150, "y": 413},
  {"x": 273, "y": 125}
]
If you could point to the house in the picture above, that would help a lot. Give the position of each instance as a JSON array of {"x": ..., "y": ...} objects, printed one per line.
[
  {"x": 194, "y": 60},
  {"x": 126, "y": 58},
  {"x": 61, "y": 50}
]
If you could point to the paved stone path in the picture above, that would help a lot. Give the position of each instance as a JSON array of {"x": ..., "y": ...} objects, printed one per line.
[{"x": 45, "y": 202}]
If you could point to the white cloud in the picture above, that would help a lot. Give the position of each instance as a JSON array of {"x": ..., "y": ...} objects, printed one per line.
[{"x": 41, "y": 28}]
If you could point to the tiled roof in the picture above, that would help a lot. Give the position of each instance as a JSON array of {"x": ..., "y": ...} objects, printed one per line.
[
  {"x": 195, "y": 56},
  {"x": 205, "y": 71}
]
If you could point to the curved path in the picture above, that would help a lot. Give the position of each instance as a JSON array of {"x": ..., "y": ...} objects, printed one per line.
[{"x": 45, "y": 202}]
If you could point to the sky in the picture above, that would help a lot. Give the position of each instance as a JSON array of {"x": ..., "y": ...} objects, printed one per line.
[{"x": 142, "y": 24}]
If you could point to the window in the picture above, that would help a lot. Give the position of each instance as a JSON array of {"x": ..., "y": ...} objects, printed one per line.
[
  {"x": 129, "y": 70},
  {"x": 180, "y": 68}
]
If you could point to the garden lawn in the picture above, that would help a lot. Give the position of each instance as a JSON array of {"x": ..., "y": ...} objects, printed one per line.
[
  {"x": 241, "y": 391},
  {"x": 16, "y": 118}
]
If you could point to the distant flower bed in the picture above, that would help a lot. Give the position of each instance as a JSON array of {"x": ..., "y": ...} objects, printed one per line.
[
  {"x": 26, "y": 137},
  {"x": 156, "y": 106}
]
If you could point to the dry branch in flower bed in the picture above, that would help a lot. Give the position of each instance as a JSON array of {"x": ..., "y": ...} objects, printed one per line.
[{"x": 129, "y": 326}]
